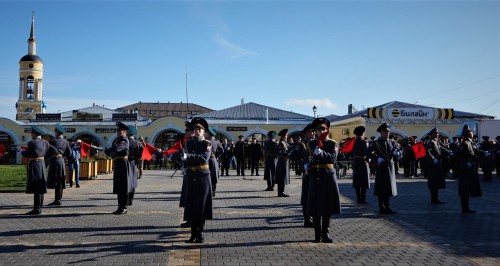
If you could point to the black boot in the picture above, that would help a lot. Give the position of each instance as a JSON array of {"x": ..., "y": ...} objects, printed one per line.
[
  {"x": 122, "y": 204},
  {"x": 325, "y": 230},
  {"x": 307, "y": 220},
  {"x": 130, "y": 198},
  {"x": 464, "y": 200},
  {"x": 193, "y": 234},
  {"x": 386, "y": 204},
  {"x": 358, "y": 194},
  {"x": 317, "y": 229},
  {"x": 37, "y": 205},
  {"x": 435, "y": 196},
  {"x": 363, "y": 195},
  {"x": 381, "y": 205}
]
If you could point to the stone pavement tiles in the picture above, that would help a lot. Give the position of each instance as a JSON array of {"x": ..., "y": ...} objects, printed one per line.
[{"x": 251, "y": 227}]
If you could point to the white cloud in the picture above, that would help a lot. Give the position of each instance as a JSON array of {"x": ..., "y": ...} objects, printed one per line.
[
  {"x": 320, "y": 103},
  {"x": 232, "y": 48}
]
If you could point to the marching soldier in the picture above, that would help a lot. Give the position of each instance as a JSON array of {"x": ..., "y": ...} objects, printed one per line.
[
  {"x": 239, "y": 153},
  {"x": 57, "y": 172},
  {"x": 323, "y": 195},
  {"x": 385, "y": 177},
  {"x": 135, "y": 154},
  {"x": 255, "y": 152},
  {"x": 122, "y": 178},
  {"x": 282, "y": 165},
  {"x": 270, "y": 153},
  {"x": 199, "y": 188},
  {"x": 36, "y": 179},
  {"x": 360, "y": 169},
  {"x": 435, "y": 174},
  {"x": 468, "y": 180}
]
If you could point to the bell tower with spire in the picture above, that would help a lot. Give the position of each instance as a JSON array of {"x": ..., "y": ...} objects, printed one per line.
[{"x": 30, "y": 100}]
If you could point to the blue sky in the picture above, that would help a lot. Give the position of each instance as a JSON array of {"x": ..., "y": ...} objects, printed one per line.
[{"x": 289, "y": 55}]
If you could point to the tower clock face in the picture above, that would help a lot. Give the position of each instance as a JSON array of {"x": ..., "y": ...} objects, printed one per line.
[{"x": 31, "y": 65}]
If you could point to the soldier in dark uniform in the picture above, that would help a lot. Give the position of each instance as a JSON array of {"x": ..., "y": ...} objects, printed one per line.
[
  {"x": 224, "y": 154},
  {"x": 282, "y": 164},
  {"x": 497, "y": 155},
  {"x": 323, "y": 197},
  {"x": 57, "y": 173},
  {"x": 454, "y": 162},
  {"x": 36, "y": 179},
  {"x": 255, "y": 153},
  {"x": 239, "y": 153},
  {"x": 270, "y": 154},
  {"x": 487, "y": 160},
  {"x": 302, "y": 155},
  {"x": 213, "y": 163},
  {"x": 135, "y": 154},
  {"x": 385, "y": 177},
  {"x": 360, "y": 169},
  {"x": 434, "y": 163},
  {"x": 468, "y": 180},
  {"x": 122, "y": 177},
  {"x": 199, "y": 191}
]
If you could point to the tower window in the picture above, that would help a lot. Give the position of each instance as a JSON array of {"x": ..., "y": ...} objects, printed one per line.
[{"x": 30, "y": 88}]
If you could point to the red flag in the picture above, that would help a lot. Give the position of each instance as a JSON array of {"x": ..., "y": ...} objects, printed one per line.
[
  {"x": 3, "y": 149},
  {"x": 419, "y": 150},
  {"x": 321, "y": 138},
  {"x": 84, "y": 149},
  {"x": 177, "y": 147},
  {"x": 348, "y": 145},
  {"x": 147, "y": 153}
]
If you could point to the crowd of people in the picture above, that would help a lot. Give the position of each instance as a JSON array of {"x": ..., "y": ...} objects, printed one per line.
[{"x": 314, "y": 156}]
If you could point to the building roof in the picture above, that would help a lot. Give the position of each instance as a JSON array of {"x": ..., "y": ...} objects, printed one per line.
[
  {"x": 158, "y": 109},
  {"x": 253, "y": 111},
  {"x": 458, "y": 116},
  {"x": 31, "y": 57}
]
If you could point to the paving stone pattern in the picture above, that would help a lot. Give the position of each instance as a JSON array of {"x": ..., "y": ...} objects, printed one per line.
[{"x": 250, "y": 227}]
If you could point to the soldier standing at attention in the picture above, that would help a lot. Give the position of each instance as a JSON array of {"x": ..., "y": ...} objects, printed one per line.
[
  {"x": 199, "y": 188},
  {"x": 239, "y": 153},
  {"x": 360, "y": 168},
  {"x": 135, "y": 149},
  {"x": 270, "y": 153},
  {"x": 468, "y": 179},
  {"x": 36, "y": 179},
  {"x": 122, "y": 178},
  {"x": 385, "y": 176},
  {"x": 487, "y": 160},
  {"x": 57, "y": 172},
  {"x": 282, "y": 165},
  {"x": 323, "y": 197},
  {"x": 255, "y": 153},
  {"x": 435, "y": 174}
]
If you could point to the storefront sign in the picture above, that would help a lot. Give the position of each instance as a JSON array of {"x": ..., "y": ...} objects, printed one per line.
[
  {"x": 105, "y": 130},
  {"x": 410, "y": 113},
  {"x": 124, "y": 117},
  {"x": 236, "y": 128},
  {"x": 48, "y": 117},
  {"x": 82, "y": 116}
]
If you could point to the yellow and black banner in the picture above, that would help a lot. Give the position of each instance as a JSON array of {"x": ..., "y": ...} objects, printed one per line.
[{"x": 410, "y": 113}]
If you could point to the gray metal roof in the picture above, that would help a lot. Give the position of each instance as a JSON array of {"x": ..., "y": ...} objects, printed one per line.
[
  {"x": 459, "y": 116},
  {"x": 253, "y": 111}
]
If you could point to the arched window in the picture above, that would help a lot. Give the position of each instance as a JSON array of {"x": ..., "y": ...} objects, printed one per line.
[
  {"x": 29, "y": 110},
  {"x": 30, "y": 88}
]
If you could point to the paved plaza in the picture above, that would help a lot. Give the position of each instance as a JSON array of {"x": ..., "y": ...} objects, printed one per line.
[{"x": 250, "y": 227}]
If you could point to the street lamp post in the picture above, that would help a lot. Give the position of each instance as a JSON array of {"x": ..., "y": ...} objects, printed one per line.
[{"x": 314, "y": 110}]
